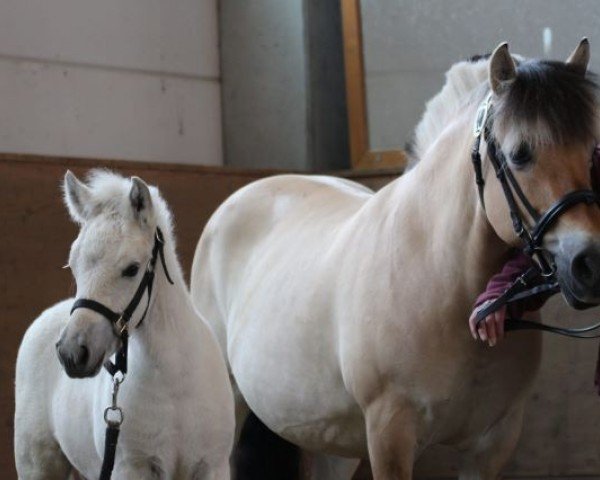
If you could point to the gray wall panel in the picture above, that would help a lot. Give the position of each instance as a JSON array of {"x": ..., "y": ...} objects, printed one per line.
[
  {"x": 426, "y": 37},
  {"x": 264, "y": 83}
]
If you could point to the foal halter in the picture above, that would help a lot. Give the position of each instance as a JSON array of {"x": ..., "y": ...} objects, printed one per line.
[
  {"x": 525, "y": 286},
  {"x": 121, "y": 320},
  {"x": 120, "y": 323}
]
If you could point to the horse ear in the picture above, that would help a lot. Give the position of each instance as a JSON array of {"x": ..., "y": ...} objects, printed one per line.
[
  {"x": 502, "y": 69},
  {"x": 580, "y": 57},
  {"x": 140, "y": 199},
  {"x": 77, "y": 197}
]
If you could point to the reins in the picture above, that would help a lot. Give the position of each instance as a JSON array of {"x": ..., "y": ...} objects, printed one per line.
[
  {"x": 528, "y": 284},
  {"x": 113, "y": 415}
]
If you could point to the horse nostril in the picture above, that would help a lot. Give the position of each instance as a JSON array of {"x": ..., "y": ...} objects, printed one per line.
[
  {"x": 84, "y": 355},
  {"x": 585, "y": 267}
]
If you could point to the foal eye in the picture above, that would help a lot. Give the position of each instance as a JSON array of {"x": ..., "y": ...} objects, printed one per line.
[
  {"x": 522, "y": 156},
  {"x": 131, "y": 270}
]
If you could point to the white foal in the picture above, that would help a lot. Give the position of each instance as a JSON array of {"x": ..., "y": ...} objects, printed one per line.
[{"x": 177, "y": 399}]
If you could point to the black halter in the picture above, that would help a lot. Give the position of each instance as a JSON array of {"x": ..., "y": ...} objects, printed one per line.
[
  {"x": 528, "y": 284},
  {"x": 120, "y": 322}
]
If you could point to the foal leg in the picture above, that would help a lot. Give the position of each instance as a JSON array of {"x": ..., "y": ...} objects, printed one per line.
[
  {"x": 490, "y": 453},
  {"x": 392, "y": 438},
  {"x": 41, "y": 460},
  {"x": 221, "y": 471},
  {"x": 37, "y": 455}
]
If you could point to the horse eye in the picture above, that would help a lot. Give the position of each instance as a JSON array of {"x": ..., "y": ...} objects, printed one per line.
[
  {"x": 522, "y": 156},
  {"x": 131, "y": 270}
]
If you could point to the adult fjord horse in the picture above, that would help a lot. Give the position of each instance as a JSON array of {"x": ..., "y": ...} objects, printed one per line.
[
  {"x": 343, "y": 312},
  {"x": 177, "y": 402}
]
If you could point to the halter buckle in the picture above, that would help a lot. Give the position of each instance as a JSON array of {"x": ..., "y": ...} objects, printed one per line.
[
  {"x": 481, "y": 117},
  {"x": 150, "y": 266},
  {"x": 121, "y": 325}
]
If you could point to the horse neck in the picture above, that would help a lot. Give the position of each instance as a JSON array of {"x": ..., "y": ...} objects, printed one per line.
[
  {"x": 171, "y": 320},
  {"x": 441, "y": 196}
]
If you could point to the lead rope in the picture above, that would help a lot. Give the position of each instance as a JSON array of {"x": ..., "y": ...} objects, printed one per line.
[{"x": 113, "y": 417}]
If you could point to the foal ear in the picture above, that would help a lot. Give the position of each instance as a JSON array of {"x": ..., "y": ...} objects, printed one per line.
[
  {"x": 580, "y": 57},
  {"x": 502, "y": 69},
  {"x": 77, "y": 197},
  {"x": 140, "y": 199}
]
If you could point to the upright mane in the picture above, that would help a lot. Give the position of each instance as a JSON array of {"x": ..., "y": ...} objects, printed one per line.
[
  {"x": 548, "y": 103},
  {"x": 110, "y": 195},
  {"x": 462, "y": 79}
]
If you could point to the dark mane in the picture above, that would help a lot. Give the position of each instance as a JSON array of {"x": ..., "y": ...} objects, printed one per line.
[
  {"x": 554, "y": 96},
  {"x": 477, "y": 58}
]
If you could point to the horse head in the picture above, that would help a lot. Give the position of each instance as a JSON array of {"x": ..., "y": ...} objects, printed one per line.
[
  {"x": 542, "y": 130},
  {"x": 108, "y": 259}
]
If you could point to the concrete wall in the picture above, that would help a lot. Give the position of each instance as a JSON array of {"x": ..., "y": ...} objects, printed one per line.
[
  {"x": 410, "y": 44},
  {"x": 283, "y": 84},
  {"x": 130, "y": 79},
  {"x": 264, "y": 83}
]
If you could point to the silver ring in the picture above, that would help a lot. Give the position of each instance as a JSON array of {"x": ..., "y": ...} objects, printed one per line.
[{"x": 114, "y": 423}]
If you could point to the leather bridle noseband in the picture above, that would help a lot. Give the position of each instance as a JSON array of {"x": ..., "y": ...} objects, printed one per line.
[
  {"x": 526, "y": 285},
  {"x": 120, "y": 322}
]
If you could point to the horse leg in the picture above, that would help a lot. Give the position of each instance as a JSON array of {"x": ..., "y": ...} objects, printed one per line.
[
  {"x": 320, "y": 466},
  {"x": 40, "y": 458},
  {"x": 221, "y": 471},
  {"x": 490, "y": 452},
  {"x": 392, "y": 438},
  {"x": 363, "y": 471},
  {"x": 241, "y": 410}
]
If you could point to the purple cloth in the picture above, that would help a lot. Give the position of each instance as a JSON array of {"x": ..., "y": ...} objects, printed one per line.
[{"x": 512, "y": 269}]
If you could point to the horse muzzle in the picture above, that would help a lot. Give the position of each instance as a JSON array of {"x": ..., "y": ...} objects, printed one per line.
[
  {"x": 578, "y": 268},
  {"x": 76, "y": 357}
]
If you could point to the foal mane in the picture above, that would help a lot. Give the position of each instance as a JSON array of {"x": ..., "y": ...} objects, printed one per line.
[{"x": 110, "y": 196}]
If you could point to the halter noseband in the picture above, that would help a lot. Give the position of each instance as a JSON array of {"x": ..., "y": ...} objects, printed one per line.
[
  {"x": 526, "y": 285},
  {"x": 121, "y": 320}
]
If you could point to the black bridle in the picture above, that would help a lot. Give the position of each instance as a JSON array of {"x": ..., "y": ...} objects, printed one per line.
[
  {"x": 120, "y": 322},
  {"x": 528, "y": 284}
]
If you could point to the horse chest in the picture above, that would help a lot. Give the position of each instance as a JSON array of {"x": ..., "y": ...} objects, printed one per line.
[{"x": 485, "y": 387}]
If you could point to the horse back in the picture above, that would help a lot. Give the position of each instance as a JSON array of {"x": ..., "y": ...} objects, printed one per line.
[{"x": 247, "y": 219}]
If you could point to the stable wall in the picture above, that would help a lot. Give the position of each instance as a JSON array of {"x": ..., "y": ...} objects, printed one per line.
[
  {"x": 283, "y": 98},
  {"x": 408, "y": 45},
  {"x": 129, "y": 79}
]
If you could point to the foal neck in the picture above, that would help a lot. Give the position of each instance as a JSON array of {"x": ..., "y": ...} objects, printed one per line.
[{"x": 171, "y": 317}]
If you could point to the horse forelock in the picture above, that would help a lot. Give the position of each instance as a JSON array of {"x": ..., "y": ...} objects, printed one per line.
[
  {"x": 110, "y": 197},
  {"x": 548, "y": 103}
]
